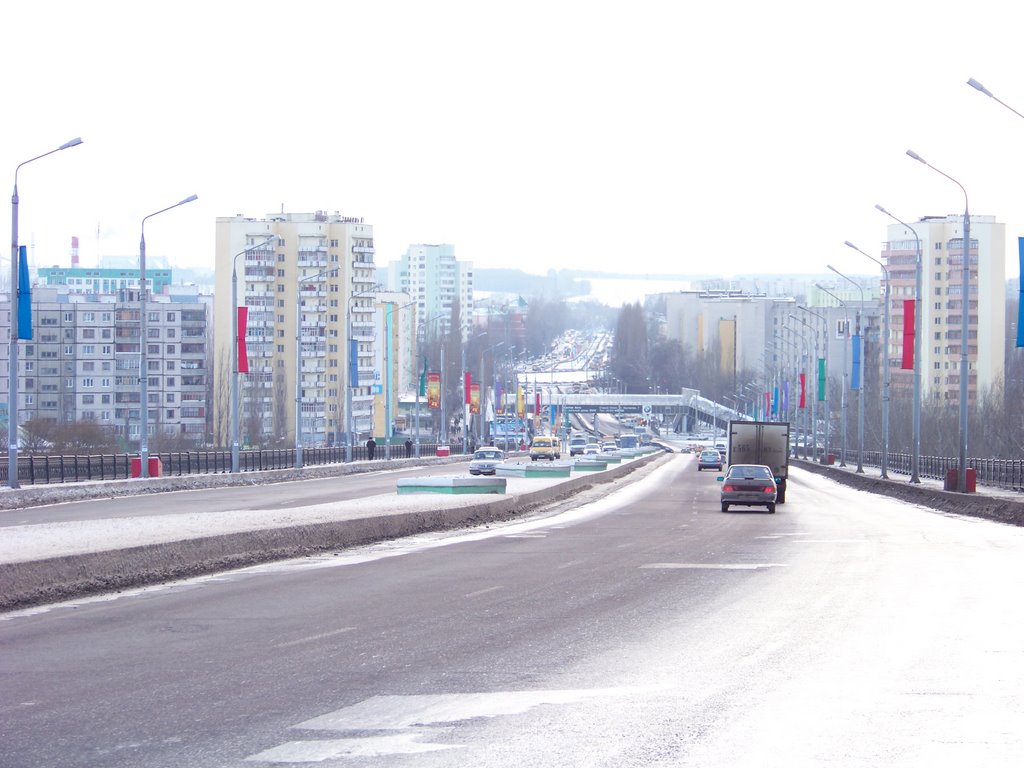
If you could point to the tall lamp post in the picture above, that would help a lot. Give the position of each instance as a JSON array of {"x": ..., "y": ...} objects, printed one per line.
[
  {"x": 144, "y": 340},
  {"x": 961, "y": 475},
  {"x": 12, "y": 372},
  {"x": 844, "y": 405},
  {"x": 978, "y": 86},
  {"x": 828, "y": 413},
  {"x": 234, "y": 348},
  {"x": 814, "y": 398},
  {"x": 885, "y": 362},
  {"x": 483, "y": 393},
  {"x": 915, "y": 457},
  {"x": 860, "y": 392}
]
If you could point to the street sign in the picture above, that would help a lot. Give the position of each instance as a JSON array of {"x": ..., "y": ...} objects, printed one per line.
[{"x": 602, "y": 408}]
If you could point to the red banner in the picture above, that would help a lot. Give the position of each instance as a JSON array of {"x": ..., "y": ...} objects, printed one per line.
[
  {"x": 434, "y": 390},
  {"x": 803, "y": 393},
  {"x": 243, "y": 357},
  {"x": 474, "y": 398},
  {"x": 536, "y": 404},
  {"x": 467, "y": 384},
  {"x": 909, "y": 329}
]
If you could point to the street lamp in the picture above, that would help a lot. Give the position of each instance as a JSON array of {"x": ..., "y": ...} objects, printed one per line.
[
  {"x": 961, "y": 475},
  {"x": 915, "y": 459},
  {"x": 143, "y": 362},
  {"x": 814, "y": 400},
  {"x": 978, "y": 86},
  {"x": 234, "y": 348},
  {"x": 825, "y": 400},
  {"x": 844, "y": 405},
  {"x": 483, "y": 392},
  {"x": 12, "y": 373},
  {"x": 465, "y": 392},
  {"x": 860, "y": 392},
  {"x": 885, "y": 363}
]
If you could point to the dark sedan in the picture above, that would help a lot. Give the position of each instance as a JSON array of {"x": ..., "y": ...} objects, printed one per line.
[{"x": 749, "y": 485}]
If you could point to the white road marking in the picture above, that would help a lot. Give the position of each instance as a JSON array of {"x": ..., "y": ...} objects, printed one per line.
[
  {"x": 716, "y": 566},
  {"x": 331, "y": 749},
  {"x": 570, "y": 564},
  {"x": 483, "y": 591},
  {"x": 314, "y": 638}
]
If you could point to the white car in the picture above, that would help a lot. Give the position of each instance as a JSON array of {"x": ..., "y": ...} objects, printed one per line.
[{"x": 485, "y": 461}]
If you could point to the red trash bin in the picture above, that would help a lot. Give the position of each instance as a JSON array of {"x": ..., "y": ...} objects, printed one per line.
[
  {"x": 952, "y": 480},
  {"x": 155, "y": 465},
  {"x": 443, "y": 450}
]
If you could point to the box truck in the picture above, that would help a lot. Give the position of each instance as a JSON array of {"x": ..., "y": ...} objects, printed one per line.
[{"x": 762, "y": 442}]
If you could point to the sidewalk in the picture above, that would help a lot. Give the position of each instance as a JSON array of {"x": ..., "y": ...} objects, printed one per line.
[{"x": 991, "y": 503}]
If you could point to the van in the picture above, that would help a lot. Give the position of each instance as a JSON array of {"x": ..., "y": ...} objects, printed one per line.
[
  {"x": 544, "y": 447},
  {"x": 577, "y": 444}
]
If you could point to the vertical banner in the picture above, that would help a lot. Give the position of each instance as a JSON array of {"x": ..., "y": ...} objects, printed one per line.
[
  {"x": 474, "y": 398},
  {"x": 243, "y": 356},
  {"x": 467, "y": 384},
  {"x": 767, "y": 406},
  {"x": 434, "y": 390},
  {"x": 1020, "y": 295},
  {"x": 553, "y": 415},
  {"x": 499, "y": 397},
  {"x": 822, "y": 379},
  {"x": 423, "y": 379},
  {"x": 25, "y": 296},
  {"x": 520, "y": 402},
  {"x": 785, "y": 396},
  {"x": 855, "y": 377},
  {"x": 536, "y": 407},
  {"x": 803, "y": 389},
  {"x": 775, "y": 403},
  {"x": 353, "y": 362},
  {"x": 909, "y": 330}
]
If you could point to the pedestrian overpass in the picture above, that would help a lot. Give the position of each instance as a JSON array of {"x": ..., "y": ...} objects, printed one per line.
[{"x": 685, "y": 412}]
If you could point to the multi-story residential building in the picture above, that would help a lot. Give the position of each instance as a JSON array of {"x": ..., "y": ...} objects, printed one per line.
[
  {"x": 307, "y": 291},
  {"x": 82, "y": 362},
  {"x": 942, "y": 303},
  {"x": 395, "y": 352},
  {"x": 434, "y": 278}
]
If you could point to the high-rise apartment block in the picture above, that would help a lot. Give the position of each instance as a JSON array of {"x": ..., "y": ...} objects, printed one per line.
[
  {"x": 307, "y": 291},
  {"x": 942, "y": 303},
  {"x": 434, "y": 279}
]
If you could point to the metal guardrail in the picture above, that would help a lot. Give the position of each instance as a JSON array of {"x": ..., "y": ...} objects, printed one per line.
[
  {"x": 998, "y": 473},
  {"x": 46, "y": 469}
]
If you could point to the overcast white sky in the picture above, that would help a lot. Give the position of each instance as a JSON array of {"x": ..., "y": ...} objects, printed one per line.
[{"x": 649, "y": 137}]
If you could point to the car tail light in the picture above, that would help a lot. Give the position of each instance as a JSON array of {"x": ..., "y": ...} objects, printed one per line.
[
  {"x": 769, "y": 489},
  {"x": 728, "y": 488}
]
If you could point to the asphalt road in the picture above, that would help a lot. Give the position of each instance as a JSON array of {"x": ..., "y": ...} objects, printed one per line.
[
  {"x": 266, "y": 496},
  {"x": 643, "y": 628}
]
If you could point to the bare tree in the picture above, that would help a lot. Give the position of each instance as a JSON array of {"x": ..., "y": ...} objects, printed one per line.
[{"x": 221, "y": 399}]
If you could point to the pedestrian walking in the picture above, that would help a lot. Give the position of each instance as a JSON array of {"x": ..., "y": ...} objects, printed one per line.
[{"x": 371, "y": 448}]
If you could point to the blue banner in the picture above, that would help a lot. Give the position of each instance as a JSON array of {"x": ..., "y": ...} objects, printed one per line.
[
  {"x": 353, "y": 362},
  {"x": 1020, "y": 295},
  {"x": 775, "y": 403},
  {"x": 554, "y": 415},
  {"x": 855, "y": 377},
  {"x": 24, "y": 296}
]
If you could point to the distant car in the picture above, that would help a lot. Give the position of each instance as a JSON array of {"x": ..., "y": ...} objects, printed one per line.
[
  {"x": 592, "y": 449},
  {"x": 608, "y": 446},
  {"x": 545, "y": 447},
  {"x": 709, "y": 459},
  {"x": 720, "y": 447},
  {"x": 576, "y": 445},
  {"x": 485, "y": 461},
  {"x": 749, "y": 485}
]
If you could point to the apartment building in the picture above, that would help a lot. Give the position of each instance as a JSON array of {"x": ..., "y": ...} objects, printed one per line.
[
  {"x": 434, "y": 278},
  {"x": 308, "y": 289},
  {"x": 82, "y": 362},
  {"x": 942, "y": 303}
]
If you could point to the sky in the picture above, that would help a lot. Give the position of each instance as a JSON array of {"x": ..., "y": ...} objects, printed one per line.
[{"x": 647, "y": 138}]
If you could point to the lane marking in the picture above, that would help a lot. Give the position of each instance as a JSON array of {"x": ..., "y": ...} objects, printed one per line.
[
  {"x": 569, "y": 564},
  {"x": 715, "y": 566},
  {"x": 314, "y": 638},
  {"x": 483, "y": 591}
]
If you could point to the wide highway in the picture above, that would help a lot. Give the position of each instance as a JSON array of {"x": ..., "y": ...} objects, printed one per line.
[{"x": 641, "y": 627}]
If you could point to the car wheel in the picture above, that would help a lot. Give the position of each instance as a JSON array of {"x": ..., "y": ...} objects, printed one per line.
[
  {"x": 725, "y": 507},
  {"x": 771, "y": 508},
  {"x": 698, "y": 467}
]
